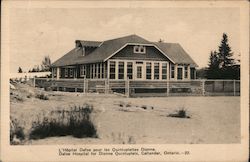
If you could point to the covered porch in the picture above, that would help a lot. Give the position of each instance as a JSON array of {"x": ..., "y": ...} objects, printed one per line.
[{"x": 115, "y": 69}]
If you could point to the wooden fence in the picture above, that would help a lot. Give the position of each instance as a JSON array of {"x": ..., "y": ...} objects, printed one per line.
[{"x": 132, "y": 88}]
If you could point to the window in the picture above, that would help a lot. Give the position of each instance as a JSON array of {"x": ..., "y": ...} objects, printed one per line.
[
  {"x": 91, "y": 71},
  {"x": 71, "y": 72},
  {"x": 101, "y": 70},
  {"x": 139, "y": 72},
  {"x": 192, "y": 71},
  {"x": 164, "y": 71},
  {"x": 148, "y": 70},
  {"x": 186, "y": 71},
  {"x": 66, "y": 72},
  {"x": 104, "y": 70},
  {"x": 179, "y": 73},
  {"x": 156, "y": 70},
  {"x": 121, "y": 70},
  {"x": 82, "y": 70},
  {"x": 94, "y": 70},
  {"x": 140, "y": 49},
  {"x": 129, "y": 70},
  {"x": 112, "y": 70},
  {"x": 172, "y": 71},
  {"x": 98, "y": 72}
]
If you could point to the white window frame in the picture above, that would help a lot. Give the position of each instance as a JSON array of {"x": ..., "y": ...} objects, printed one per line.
[
  {"x": 70, "y": 72},
  {"x": 66, "y": 71},
  {"x": 82, "y": 70},
  {"x": 139, "y": 49}
]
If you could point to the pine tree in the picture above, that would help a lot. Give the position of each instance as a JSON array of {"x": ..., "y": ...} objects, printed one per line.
[
  {"x": 213, "y": 66},
  {"x": 225, "y": 54}
]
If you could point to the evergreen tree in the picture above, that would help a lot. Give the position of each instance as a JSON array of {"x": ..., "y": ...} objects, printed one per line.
[
  {"x": 20, "y": 70},
  {"x": 225, "y": 54},
  {"x": 46, "y": 63},
  {"x": 213, "y": 66}
]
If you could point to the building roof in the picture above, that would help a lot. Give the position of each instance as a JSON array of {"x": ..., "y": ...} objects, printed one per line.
[
  {"x": 89, "y": 43},
  {"x": 108, "y": 48}
]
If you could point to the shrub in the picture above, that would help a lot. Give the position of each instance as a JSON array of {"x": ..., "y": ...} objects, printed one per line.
[
  {"x": 42, "y": 96},
  {"x": 75, "y": 121},
  {"x": 181, "y": 113},
  {"x": 16, "y": 132}
]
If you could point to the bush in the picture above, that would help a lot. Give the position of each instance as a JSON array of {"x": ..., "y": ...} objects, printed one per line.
[
  {"x": 16, "y": 132},
  {"x": 181, "y": 113},
  {"x": 75, "y": 121},
  {"x": 42, "y": 96}
]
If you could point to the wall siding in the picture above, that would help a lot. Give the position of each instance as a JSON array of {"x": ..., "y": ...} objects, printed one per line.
[{"x": 151, "y": 54}]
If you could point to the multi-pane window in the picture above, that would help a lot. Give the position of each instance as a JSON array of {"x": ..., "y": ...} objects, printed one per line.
[
  {"x": 91, "y": 71},
  {"x": 112, "y": 70},
  {"x": 104, "y": 70},
  {"x": 186, "y": 71},
  {"x": 139, "y": 72},
  {"x": 164, "y": 71},
  {"x": 101, "y": 70},
  {"x": 139, "y": 49},
  {"x": 82, "y": 70},
  {"x": 71, "y": 72},
  {"x": 129, "y": 70},
  {"x": 66, "y": 72},
  {"x": 156, "y": 70},
  {"x": 98, "y": 70},
  {"x": 172, "y": 71},
  {"x": 148, "y": 70},
  {"x": 192, "y": 73},
  {"x": 121, "y": 70}
]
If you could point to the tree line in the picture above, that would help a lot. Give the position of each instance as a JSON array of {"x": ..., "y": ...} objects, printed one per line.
[{"x": 44, "y": 67}]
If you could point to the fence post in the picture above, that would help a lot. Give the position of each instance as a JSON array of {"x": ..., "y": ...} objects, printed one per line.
[
  {"x": 106, "y": 86},
  {"x": 34, "y": 81},
  {"x": 203, "y": 87},
  {"x": 168, "y": 88},
  {"x": 127, "y": 87},
  {"x": 234, "y": 88},
  {"x": 85, "y": 85}
]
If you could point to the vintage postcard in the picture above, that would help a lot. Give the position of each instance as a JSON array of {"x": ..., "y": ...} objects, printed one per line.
[{"x": 124, "y": 81}]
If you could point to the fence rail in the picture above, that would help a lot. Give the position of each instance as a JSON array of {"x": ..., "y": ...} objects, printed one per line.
[{"x": 134, "y": 88}]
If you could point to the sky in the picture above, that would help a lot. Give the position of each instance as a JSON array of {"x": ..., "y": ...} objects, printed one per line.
[{"x": 37, "y": 32}]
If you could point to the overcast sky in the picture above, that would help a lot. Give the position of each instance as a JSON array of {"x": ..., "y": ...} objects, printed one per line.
[{"x": 35, "y": 33}]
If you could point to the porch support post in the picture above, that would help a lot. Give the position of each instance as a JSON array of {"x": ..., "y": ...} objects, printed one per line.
[
  {"x": 183, "y": 72},
  {"x": 168, "y": 71},
  {"x": 160, "y": 70},
  {"x": 116, "y": 69},
  {"x": 58, "y": 73},
  {"x": 125, "y": 70},
  {"x": 108, "y": 67},
  {"x": 189, "y": 72},
  {"x": 175, "y": 71}
]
